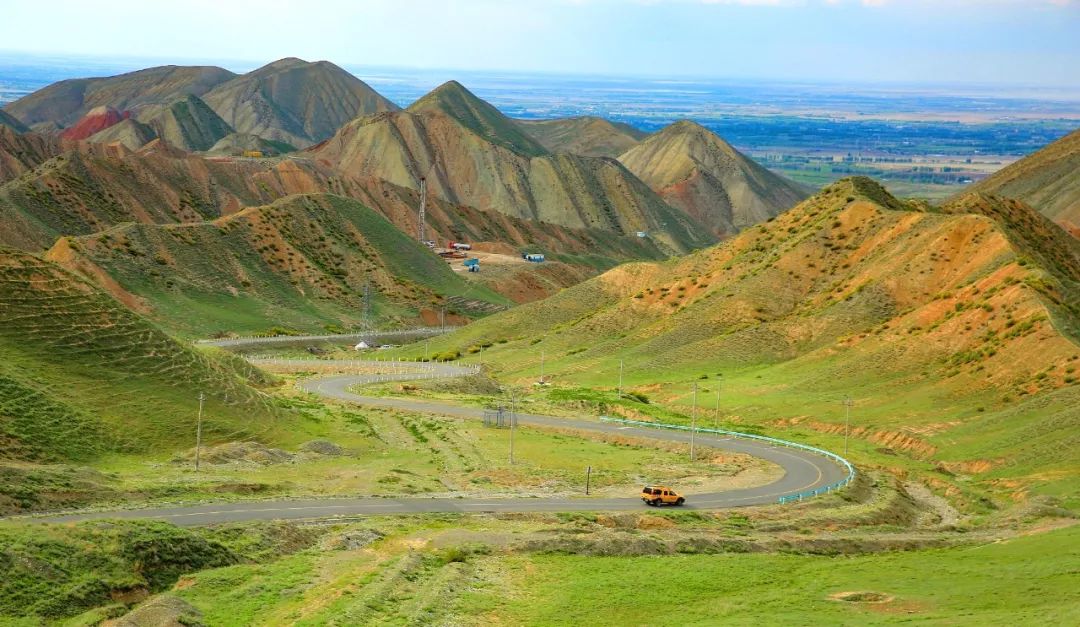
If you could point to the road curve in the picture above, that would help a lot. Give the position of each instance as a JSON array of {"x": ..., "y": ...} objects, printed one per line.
[{"x": 803, "y": 470}]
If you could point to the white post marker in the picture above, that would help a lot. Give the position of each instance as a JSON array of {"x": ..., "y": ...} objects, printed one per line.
[{"x": 693, "y": 424}]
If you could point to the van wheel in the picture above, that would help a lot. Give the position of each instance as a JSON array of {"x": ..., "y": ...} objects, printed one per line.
[
  {"x": 656, "y": 503},
  {"x": 680, "y": 501}
]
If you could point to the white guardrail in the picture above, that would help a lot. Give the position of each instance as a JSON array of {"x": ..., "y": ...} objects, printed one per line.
[{"x": 788, "y": 498}]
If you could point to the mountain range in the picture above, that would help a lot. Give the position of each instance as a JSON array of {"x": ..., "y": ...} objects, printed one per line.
[
  {"x": 472, "y": 154},
  {"x": 491, "y": 162},
  {"x": 289, "y": 101},
  {"x": 164, "y": 147}
]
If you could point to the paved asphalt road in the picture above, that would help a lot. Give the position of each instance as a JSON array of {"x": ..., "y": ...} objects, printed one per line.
[{"x": 803, "y": 470}]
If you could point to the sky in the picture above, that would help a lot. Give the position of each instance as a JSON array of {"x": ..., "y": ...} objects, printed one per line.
[{"x": 1020, "y": 42}]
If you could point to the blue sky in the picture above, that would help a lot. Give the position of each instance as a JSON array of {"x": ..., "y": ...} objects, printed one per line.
[{"x": 949, "y": 41}]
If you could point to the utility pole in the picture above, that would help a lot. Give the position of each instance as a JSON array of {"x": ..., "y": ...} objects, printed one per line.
[
  {"x": 541, "y": 366},
  {"x": 481, "y": 354},
  {"x": 847, "y": 421},
  {"x": 513, "y": 422},
  {"x": 620, "y": 377},
  {"x": 716, "y": 412},
  {"x": 442, "y": 318},
  {"x": 427, "y": 349},
  {"x": 693, "y": 424},
  {"x": 588, "y": 477},
  {"x": 198, "y": 432}
]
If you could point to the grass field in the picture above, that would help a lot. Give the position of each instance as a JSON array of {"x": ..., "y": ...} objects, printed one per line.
[
  {"x": 753, "y": 565},
  {"x": 1022, "y": 581},
  {"x": 542, "y": 570},
  {"x": 385, "y": 453}
]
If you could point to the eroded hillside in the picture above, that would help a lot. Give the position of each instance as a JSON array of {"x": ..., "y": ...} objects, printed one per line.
[
  {"x": 302, "y": 262},
  {"x": 695, "y": 170},
  {"x": 952, "y": 333},
  {"x": 473, "y": 155}
]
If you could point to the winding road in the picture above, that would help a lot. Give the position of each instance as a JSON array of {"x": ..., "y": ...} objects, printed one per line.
[{"x": 802, "y": 469}]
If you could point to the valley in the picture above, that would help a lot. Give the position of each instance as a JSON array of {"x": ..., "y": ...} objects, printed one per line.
[{"x": 281, "y": 347}]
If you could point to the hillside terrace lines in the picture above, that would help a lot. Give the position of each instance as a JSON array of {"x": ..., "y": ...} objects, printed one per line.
[{"x": 75, "y": 322}]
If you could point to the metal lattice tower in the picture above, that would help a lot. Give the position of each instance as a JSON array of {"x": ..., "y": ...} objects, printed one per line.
[
  {"x": 421, "y": 226},
  {"x": 367, "y": 303}
]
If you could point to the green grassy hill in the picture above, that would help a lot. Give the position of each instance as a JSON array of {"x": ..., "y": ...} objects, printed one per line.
[
  {"x": 301, "y": 263},
  {"x": 953, "y": 338},
  {"x": 1048, "y": 180},
  {"x": 81, "y": 375}
]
